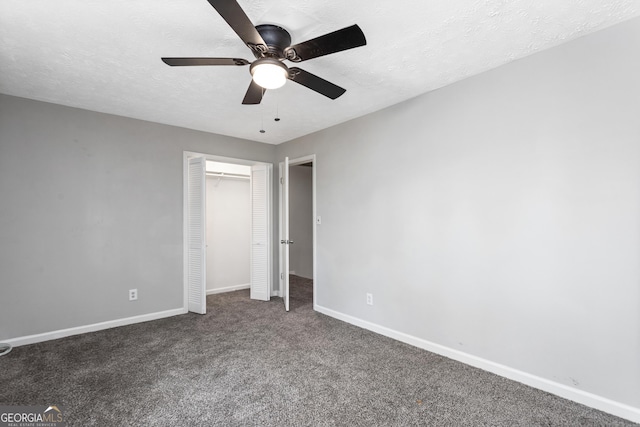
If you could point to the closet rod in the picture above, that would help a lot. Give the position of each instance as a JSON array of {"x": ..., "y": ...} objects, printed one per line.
[{"x": 228, "y": 175}]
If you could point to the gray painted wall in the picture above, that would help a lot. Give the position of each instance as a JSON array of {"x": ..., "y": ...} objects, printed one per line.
[
  {"x": 499, "y": 216},
  {"x": 301, "y": 220},
  {"x": 91, "y": 206}
]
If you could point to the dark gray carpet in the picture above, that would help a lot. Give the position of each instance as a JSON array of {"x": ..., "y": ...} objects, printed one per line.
[{"x": 249, "y": 363}]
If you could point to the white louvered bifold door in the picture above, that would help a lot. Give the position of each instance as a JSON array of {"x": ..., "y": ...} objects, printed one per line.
[
  {"x": 260, "y": 244},
  {"x": 196, "y": 203}
]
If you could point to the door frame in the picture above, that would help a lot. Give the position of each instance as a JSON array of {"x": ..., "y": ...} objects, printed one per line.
[
  {"x": 186, "y": 155},
  {"x": 294, "y": 162}
]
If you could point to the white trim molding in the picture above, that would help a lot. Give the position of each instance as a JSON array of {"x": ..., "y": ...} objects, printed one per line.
[
  {"x": 228, "y": 289},
  {"x": 585, "y": 398},
  {"x": 47, "y": 336}
]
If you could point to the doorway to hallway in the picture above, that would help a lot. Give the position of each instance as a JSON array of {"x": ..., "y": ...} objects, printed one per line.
[{"x": 298, "y": 222}]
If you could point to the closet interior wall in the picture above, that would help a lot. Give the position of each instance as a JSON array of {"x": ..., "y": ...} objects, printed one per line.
[{"x": 228, "y": 227}]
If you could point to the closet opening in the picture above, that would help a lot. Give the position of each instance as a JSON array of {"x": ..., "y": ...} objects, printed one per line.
[{"x": 228, "y": 227}]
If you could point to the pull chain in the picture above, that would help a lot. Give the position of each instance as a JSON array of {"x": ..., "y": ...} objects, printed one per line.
[{"x": 262, "y": 116}]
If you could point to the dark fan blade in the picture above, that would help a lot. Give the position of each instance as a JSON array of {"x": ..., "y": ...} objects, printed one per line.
[
  {"x": 316, "y": 83},
  {"x": 204, "y": 61},
  {"x": 254, "y": 94},
  {"x": 231, "y": 12},
  {"x": 346, "y": 38}
]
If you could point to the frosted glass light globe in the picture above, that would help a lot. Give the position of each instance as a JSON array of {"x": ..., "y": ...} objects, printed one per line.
[{"x": 269, "y": 73}]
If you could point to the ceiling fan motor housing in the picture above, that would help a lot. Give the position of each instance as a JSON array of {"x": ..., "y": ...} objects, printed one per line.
[{"x": 276, "y": 38}]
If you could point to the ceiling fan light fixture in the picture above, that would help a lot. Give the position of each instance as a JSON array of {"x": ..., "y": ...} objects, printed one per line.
[{"x": 269, "y": 73}]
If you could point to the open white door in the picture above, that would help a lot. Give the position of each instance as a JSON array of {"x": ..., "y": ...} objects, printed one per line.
[
  {"x": 284, "y": 232},
  {"x": 260, "y": 243},
  {"x": 196, "y": 216}
]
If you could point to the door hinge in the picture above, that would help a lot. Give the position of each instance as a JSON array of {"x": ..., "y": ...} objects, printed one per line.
[
  {"x": 281, "y": 276},
  {"x": 281, "y": 180}
]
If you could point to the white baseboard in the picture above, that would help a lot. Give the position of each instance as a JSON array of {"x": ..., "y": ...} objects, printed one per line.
[
  {"x": 275, "y": 293},
  {"x": 227, "y": 289},
  {"x": 589, "y": 399},
  {"x": 46, "y": 336},
  {"x": 292, "y": 272}
]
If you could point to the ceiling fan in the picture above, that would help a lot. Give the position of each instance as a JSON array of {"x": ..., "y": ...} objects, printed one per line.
[{"x": 271, "y": 45}]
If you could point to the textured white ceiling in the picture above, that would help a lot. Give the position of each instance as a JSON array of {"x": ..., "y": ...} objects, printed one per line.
[{"x": 105, "y": 55}]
